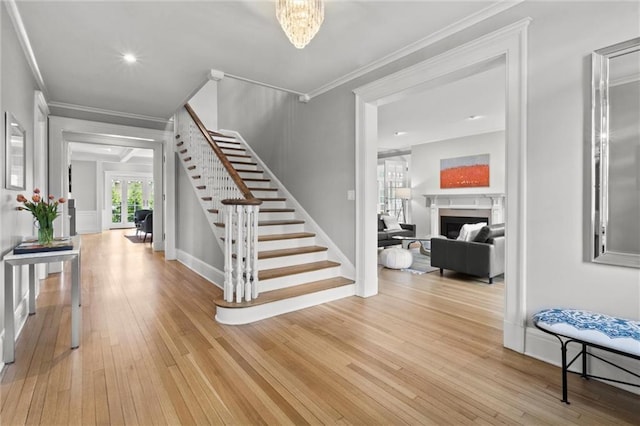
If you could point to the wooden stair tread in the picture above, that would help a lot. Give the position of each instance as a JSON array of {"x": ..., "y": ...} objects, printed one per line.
[
  {"x": 196, "y": 177},
  {"x": 262, "y": 189},
  {"x": 288, "y": 293},
  {"x": 248, "y": 171},
  {"x": 245, "y": 163},
  {"x": 239, "y": 155},
  {"x": 186, "y": 159},
  {"x": 256, "y": 180},
  {"x": 273, "y": 199},
  {"x": 277, "y": 210},
  {"x": 201, "y": 187},
  {"x": 271, "y": 222},
  {"x": 191, "y": 168},
  {"x": 207, "y": 198},
  {"x": 290, "y": 236},
  {"x": 212, "y": 210},
  {"x": 230, "y": 148},
  {"x": 268, "y": 274}
]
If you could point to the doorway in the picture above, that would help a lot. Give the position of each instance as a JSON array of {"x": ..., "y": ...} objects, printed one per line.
[
  {"x": 129, "y": 194},
  {"x": 509, "y": 43}
]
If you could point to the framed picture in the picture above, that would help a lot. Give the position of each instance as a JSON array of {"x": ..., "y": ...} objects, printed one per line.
[
  {"x": 15, "y": 145},
  {"x": 465, "y": 172}
]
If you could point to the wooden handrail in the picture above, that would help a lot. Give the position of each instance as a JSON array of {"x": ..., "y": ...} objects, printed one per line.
[{"x": 235, "y": 176}]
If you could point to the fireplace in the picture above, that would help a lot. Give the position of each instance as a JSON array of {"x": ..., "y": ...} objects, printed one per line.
[{"x": 450, "y": 225}]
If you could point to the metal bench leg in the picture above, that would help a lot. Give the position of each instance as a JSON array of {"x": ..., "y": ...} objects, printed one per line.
[
  {"x": 564, "y": 373},
  {"x": 584, "y": 362}
]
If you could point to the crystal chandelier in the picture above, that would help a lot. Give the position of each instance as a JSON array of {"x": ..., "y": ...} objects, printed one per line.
[{"x": 300, "y": 19}]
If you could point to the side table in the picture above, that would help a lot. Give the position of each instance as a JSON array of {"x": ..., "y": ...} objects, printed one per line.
[{"x": 12, "y": 260}]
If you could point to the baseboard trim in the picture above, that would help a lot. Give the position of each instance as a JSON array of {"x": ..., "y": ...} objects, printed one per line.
[
  {"x": 545, "y": 347},
  {"x": 206, "y": 271},
  {"x": 238, "y": 316}
]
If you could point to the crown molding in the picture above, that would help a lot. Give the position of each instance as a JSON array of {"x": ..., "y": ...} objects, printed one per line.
[
  {"x": 23, "y": 38},
  {"x": 447, "y": 31},
  {"x": 93, "y": 110}
]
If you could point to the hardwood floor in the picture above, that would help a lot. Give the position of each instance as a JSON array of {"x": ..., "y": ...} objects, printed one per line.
[{"x": 427, "y": 350}]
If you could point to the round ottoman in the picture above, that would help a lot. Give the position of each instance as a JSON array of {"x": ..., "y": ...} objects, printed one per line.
[{"x": 396, "y": 258}]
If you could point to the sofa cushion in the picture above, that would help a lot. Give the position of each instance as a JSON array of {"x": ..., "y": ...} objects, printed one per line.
[
  {"x": 383, "y": 235},
  {"x": 391, "y": 223},
  {"x": 482, "y": 235},
  {"x": 469, "y": 231}
]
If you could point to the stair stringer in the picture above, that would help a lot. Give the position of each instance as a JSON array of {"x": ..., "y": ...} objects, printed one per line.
[{"x": 334, "y": 253}]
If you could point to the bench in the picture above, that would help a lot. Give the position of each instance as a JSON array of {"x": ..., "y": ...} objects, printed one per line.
[{"x": 589, "y": 329}]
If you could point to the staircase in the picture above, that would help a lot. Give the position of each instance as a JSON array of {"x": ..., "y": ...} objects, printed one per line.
[{"x": 293, "y": 264}]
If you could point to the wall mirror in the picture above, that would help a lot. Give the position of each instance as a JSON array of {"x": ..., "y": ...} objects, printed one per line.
[
  {"x": 15, "y": 142},
  {"x": 615, "y": 159}
]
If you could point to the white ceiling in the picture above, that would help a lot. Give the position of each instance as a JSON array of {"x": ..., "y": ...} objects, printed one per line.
[
  {"x": 78, "y": 45},
  {"x": 443, "y": 112},
  {"x": 113, "y": 154}
]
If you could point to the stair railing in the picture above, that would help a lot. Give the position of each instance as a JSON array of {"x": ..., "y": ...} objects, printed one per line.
[{"x": 222, "y": 186}]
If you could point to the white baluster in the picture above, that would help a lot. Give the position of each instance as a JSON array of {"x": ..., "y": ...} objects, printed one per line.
[
  {"x": 248, "y": 293},
  {"x": 228, "y": 250},
  {"x": 254, "y": 250},
  {"x": 239, "y": 253}
]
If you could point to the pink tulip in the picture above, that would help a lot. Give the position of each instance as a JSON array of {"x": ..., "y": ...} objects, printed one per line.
[
  {"x": 36, "y": 191},
  {"x": 21, "y": 198},
  {"x": 61, "y": 200},
  {"x": 51, "y": 197},
  {"x": 36, "y": 198}
]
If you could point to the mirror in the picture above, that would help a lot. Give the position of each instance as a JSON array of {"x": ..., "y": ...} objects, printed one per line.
[
  {"x": 615, "y": 166},
  {"x": 15, "y": 142}
]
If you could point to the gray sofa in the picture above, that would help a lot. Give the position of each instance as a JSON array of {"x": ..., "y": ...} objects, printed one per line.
[
  {"x": 483, "y": 257},
  {"x": 385, "y": 237}
]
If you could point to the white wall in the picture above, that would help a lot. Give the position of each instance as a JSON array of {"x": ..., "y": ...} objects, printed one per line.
[
  {"x": 425, "y": 171},
  {"x": 17, "y": 96},
  {"x": 83, "y": 185}
]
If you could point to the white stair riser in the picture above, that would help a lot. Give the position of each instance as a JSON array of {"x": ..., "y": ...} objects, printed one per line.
[
  {"x": 276, "y": 216},
  {"x": 237, "y": 159},
  {"x": 268, "y": 310},
  {"x": 258, "y": 184},
  {"x": 238, "y": 165},
  {"x": 230, "y": 150},
  {"x": 264, "y": 194},
  {"x": 226, "y": 142},
  {"x": 245, "y": 175},
  {"x": 273, "y": 204},
  {"x": 284, "y": 244},
  {"x": 297, "y": 279},
  {"x": 280, "y": 229},
  {"x": 280, "y": 262},
  {"x": 277, "y": 229}
]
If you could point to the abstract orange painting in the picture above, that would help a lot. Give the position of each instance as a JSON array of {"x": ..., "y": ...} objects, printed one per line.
[{"x": 464, "y": 172}]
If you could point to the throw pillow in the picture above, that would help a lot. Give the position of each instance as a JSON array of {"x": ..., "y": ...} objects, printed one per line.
[
  {"x": 482, "y": 235},
  {"x": 470, "y": 230},
  {"x": 391, "y": 223}
]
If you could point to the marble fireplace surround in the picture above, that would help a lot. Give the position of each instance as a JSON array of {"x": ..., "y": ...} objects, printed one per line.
[{"x": 469, "y": 205}]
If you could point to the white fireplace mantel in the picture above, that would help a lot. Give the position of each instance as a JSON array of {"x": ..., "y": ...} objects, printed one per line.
[{"x": 490, "y": 202}]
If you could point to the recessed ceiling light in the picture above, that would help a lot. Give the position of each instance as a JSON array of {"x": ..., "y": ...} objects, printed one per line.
[
  {"x": 129, "y": 58},
  {"x": 400, "y": 133},
  {"x": 474, "y": 117}
]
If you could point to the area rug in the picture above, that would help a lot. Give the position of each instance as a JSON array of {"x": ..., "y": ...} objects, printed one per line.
[
  {"x": 135, "y": 239},
  {"x": 421, "y": 264}
]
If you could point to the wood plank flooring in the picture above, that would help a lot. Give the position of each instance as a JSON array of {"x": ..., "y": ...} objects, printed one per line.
[{"x": 427, "y": 350}]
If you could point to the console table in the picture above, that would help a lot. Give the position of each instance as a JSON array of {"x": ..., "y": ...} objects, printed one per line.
[{"x": 12, "y": 260}]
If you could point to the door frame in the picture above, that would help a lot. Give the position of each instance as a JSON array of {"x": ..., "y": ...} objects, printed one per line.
[{"x": 509, "y": 43}]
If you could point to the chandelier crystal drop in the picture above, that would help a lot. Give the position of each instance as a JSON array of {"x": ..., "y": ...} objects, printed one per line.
[{"x": 300, "y": 19}]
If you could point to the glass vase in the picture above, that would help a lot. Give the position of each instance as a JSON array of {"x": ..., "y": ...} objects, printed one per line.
[{"x": 45, "y": 235}]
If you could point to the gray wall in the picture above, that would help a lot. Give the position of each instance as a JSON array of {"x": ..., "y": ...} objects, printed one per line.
[
  {"x": 193, "y": 233},
  {"x": 425, "y": 170},
  {"x": 17, "y": 96},
  {"x": 83, "y": 184}
]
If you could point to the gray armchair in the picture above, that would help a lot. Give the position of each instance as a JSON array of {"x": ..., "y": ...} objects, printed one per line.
[{"x": 483, "y": 257}]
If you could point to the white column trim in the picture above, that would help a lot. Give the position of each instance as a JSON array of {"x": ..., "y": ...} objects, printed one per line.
[{"x": 509, "y": 46}]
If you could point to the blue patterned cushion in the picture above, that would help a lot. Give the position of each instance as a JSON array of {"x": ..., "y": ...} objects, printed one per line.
[{"x": 604, "y": 330}]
